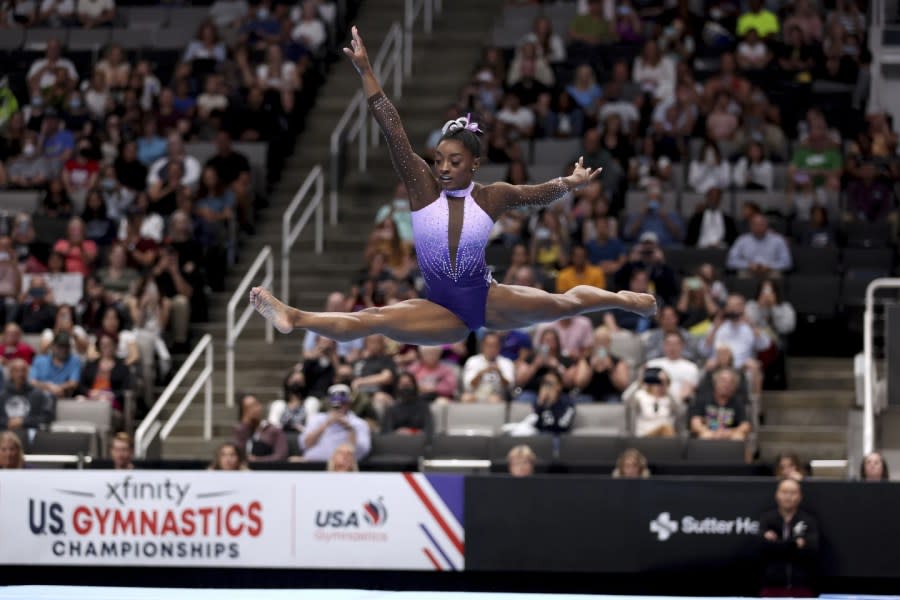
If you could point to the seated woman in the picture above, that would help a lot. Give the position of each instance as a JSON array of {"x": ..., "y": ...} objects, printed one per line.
[
  {"x": 117, "y": 277},
  {"x": 65, "y": 322},
  {"x": 770, "y": 312},
  {"x": 126, "y": 347},
  {"x": 105, "y": 378},
  {"x": 343, "y": 460},
  {"x": 410, "y": 414},
  {"x": 229, "y": 457},
  {"x": 547, "y": 358},
  {"x": 600, "y": 376},
  {"x": 654, "y": 409},
  {"x": 631, "y": 464}
]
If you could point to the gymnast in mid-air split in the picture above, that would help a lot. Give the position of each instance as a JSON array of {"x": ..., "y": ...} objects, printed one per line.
[{"x": 452, "y": 217}]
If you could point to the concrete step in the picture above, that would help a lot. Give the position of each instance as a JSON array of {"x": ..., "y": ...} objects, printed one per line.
[
  {"x": 191, "y": 447},
  {"x": 769, "y": 451},
  {"x": 804, "y": 435},
  {"x": 803, "y": 417},
  {"x": 796, "y": 398}
]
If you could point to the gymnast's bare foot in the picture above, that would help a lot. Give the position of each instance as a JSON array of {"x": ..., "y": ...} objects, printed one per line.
[
  {"x": 271, "y": 308},
  {"x": 642, "y": 304}
]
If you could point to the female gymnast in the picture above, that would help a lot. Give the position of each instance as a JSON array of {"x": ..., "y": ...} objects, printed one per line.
[{"x": 452, "y": 217}]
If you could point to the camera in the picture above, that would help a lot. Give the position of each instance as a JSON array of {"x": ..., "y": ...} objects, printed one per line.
[{"x": 653, "y": 376}]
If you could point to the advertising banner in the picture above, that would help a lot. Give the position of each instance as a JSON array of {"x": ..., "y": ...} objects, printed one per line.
[{"x": 248, "y": 519}]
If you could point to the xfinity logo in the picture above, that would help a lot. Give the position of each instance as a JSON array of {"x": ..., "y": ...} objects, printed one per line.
[{"x": 664, "y": 526}]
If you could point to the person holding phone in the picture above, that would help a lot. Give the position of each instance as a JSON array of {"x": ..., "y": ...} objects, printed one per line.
[
  {"x": 654, "y": 407},
  {"x": 601, "y": 376},
  {"x": 325, "y": 431},
  {"x": 554, "y": 409}
]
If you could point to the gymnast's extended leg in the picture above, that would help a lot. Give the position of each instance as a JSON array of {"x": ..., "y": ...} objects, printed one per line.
[
  {"x": 415, "y": 321},
  {"x": 515, "y": 306}
]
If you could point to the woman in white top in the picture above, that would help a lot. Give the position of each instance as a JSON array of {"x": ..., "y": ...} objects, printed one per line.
[
  {"x": 65, "y": 322},
  {"x": 115, "y": 67},
  {"x": 654, "y": 72},
  {"x": 709, "y": 170},
  {"x": 654, "y": 408},
  {"x": 279, "y": 75},
  {"x": 127, "y": 348},
  {"x": 752, "y": 53},
  {"x": 310, "y": 31},
  {"x": 754, "y": 171},
  {"x": 530, "y": 53},
  {"x": 771, "y": 312},
  {"x": 551, "y": 45},
  {"x": 205, "y": 45},
  {"x": 96, "y": 95}
]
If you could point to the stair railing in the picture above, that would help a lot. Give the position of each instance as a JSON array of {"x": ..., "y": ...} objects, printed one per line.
[
  {"x": 411, "y": 10},
  {"x": 234, "y": 328},
  {"x": 388, "y": 68},
  {"x": 151, "y": 426},
  {"x": 871, "y": 403},
  {"x": 315, "y": 180}
]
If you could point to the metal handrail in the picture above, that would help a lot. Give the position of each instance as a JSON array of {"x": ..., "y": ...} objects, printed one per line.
[
  {"x": 233, "y": 329},
  {"x": 869, "y": 374},
  {"x": 356, "y": 110},
  {"x": 388, "y": 69},
  {"x": 150, "y": 426},
  {"x": 411, "y": 10},
  {"x": 79, "y": 460},
  {"x": 290, "y": 234}
]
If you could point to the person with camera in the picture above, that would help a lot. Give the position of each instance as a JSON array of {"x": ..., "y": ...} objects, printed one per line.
[
  {"x": 653, "y": 340},
  {"x": 790, "y": 545},
  {"x": 654, "y": 408},
  {"x": 554, "y": 409},
  {"x": 683, "y": 375},
  {"x": 732, "y": 328},
  {"x": 261, "y": 440},
  {"x": 709, "y": 227},
  {"x": 36, "y": 309},
  {"x": 697, "y": 303},
  {"x": 488, "y": 376},
  {"x": 600, "y": 376},
  {"x": 325, "y": 431},
  {"x": 548, "y": 357},
  {"x": 647, "y": 256},
  {"x": 655, "y": 218},
  {"x": 720, "y": 415}
]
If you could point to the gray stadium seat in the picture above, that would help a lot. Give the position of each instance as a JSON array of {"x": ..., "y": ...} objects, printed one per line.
[
  {"x": 686, "y": 260},
  {"x": 658, "y": 450},
  {"x": 133, "y": 39},
  {"x": 475, "y": 419},
  {"x": 600, "y": 420},
  {"x": 12, "y": 39},
  {"x": 72, "y": 415},
  {"x": 815, "y": 261},
  {"x": 488, "y": 174},
  {"x": 744, "y": 286},
  {"x": 779, "y": 172},
  {"x": 868, "y": 235},
  {"x": 588, "y": 450},
  {"x": 518, "y": 411},
  {"x": 173, "y": 37},
  {"x": 690, "y": 201},
  {"x": 813, "y": 296},
  {"x": 635, "y": 202},
  {"x": 189, "y": 16},
  {"x": 147, "y": 17},
  {"x": 393, "y": 451},
  {"x": 36, "y": 39},
  {"x": 870, "y": 259},
  {"x": 46, "y": 442},
  {"x": 477, "y": 447},
  {"x": 715, "y": 451},
  {"x": 88, "y": 39},
  {"x": 543, "y": 173},
  {"x": 520, "y": 14},
  {"x": 854, "y": 285},
  {"x": 439, "y": 417},
  {"x": 555, "y": 152},
  {"x": 766, "y": 200},
  {"x": 628, "y": 347},
  {"x": 541, "y": 445},
  {"x": 256, "y": 153},
  {"x": 503, "y": 37},
  {"x": 15, "y": 201}
]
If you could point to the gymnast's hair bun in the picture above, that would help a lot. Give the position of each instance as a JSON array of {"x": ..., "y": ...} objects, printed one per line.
[{"x": 462, "y": 123}]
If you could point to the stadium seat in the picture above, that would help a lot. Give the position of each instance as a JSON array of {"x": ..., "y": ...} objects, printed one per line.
[
  {"x": 815, "y": 261},
  {"x": 871, "y": 259},
  {"x": 555, "y": 152},
  {"x": 600, "y": 420},
  {"x": 853, "y": 288},
  {"x": 813, "y": 296},
  {"x": 744, "y": 286},
  {"x": 518, "y": 411},
  {"x": 147, "y": 17},
  {"x": 543, "y": 173},
  {"x": 690, "y": 201},
  {"x": 173, "y": 37},
  {"x": 395, "y": 452},
  {"x": 475, "y": 419},
  {"x": 658, "y": 450},
  {"x": 15, "y": 201},
  {"x": 635, "y": 202},
  {"x": 868, "y": 235},
  {"x": 37, "y": 38},
  {"x": 439, "y": 417},
  {"x": 460, "y": 446},
  {"x": 12, "y": 39},
  {"x": 488, "y": 174},
  {"x": 686, "y": 260},
  {"x": 47, "y": 442},
  {"x": 588, "y": 450},
  {"x": 767, "y": 201},
  {"x": 541, "y": 445},
  {"x": 715, "y": 451},
  {"x": 88, "y": 416},
  {"x": 88, "y": 39},
  {"x": 627, "y": 346},
  {"x": 133, "y": 39}
]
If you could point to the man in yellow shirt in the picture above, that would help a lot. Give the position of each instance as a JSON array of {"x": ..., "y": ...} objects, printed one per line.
[
  {"x": 580, "y": 272},
  {"x": 763, "y": 21}
]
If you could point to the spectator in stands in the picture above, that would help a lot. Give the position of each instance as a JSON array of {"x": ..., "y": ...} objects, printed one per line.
[
  {"x": 291, "y": 412},
  {"x": 79, "y": 253},
  {"x": 654, "y": 408},
  {"x": 760, "y": 253},
  {"x": 818, "y": 232},
  {"x": 788, "y": 466},
  {"x": 580, "y": 272},
  {"x": 58, "y": 371},
  {"x": 411, "y": 413},
  {"x": 590, "y": 34},
  {"x": 874, "y": 468},
  {"x": 98, "y": 96},
  {"x": 130, "y": 172},
  {"x": 115, "y": 67},
  {"x": 554, "y": 409},
  {"x": 575, "y": 334},
  {"x": 12, "y": 455},
  {"x": 111, "y": 325},
  {"x": 871, "y": 198},
  {"x": 720, "y": 415},
  {"x": 121, "y": 451},
  {"x": 605, "y": 249},
  {"x": 105, "y": 378},
  {"x": 117, "y": 277},
  {"x": 710, "y": 227},
  {"x": 709, "y": 170},
  {"x": 279, "y": 76},
  {"x": 753, "y": 171},
  {"x": 255, "y": 121},
  {"x": 770, "y": 312},
  {"x": 435, "y": 380},
  {"x": 654, "y": 72},
  {"x": 326, "y": 431},
  {"x": 682, "y": 374},
  {"x": 519, "y": 120},
  {"x": 22, "y": 405},
  {"x": 175, "y": 152},
  {"x": 44, "y": 72},
  {"x": 29, "y": 170},
  {"x": 214, "y": 99},
  {"x": 818, "y": 154},
  {"x": 234, "y": 172},
  {"x": 488, "y": 376},
  {"x": 98, "y": 227},
  {"x": 310, "y": 30},
  {"x": 547, "y": 358},
  {"x": 759, "y": 19},
  {"x": 753, "y": 55},
  {"x": 163, "y": 194},
  {"x": 804, "y": 17},
  {"x": 347, "y": 351},
  {"x": 847, "y": 13},
  {"x": 520, "y": 461},
  {"x": 375, "y": 371},
  {"x": 229, "y": 457},
  {"x": 36, "y": 310},
  {"x": 215, "y": 203},
  {"x": 262, "y": 441},
  {"x": 631, "y": 464},
  {"x": 549, "y": 43},
  {"x": 12, "y": 347},
  {"x": 151, "y": 147},
  {"x": 343, "y": 460},
  {"x": 65, "y": 323},
  {"x": 57, "y": 13},
  {"x": 206, "y": 45},
  {"x": 600, "y": 375},
  {"x": 175, "y": 289},
  {"x": 698, "y": 302},
  {"x": 585, "y": 91},
  {"x": 790, "y": 545},
  {"x": 722, "y": 122},
  {"x": 653, "y": 341},
  {"x": 647, "y": 256},
  {"x": 94, "y": 13},
  {"x": 796, "y": 56},
  {"x": 732, "y": 328},
  {"x": 655, "y": 222},
  {"x": 10, "y": 280},
  {"x": 56, "y": 203}
]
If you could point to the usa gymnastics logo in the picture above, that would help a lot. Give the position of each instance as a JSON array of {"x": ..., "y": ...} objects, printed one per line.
[{"x": 375, "y": 513}]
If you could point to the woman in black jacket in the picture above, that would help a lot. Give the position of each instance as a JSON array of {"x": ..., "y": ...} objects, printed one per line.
[
  {"x": 107, "y": 377},
  {"x": 790, "y": 538}
]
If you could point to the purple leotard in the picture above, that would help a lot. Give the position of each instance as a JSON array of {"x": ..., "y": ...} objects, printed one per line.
[
  {"x": 458, "y": 283},
  {"x": 451, "y": 228}
]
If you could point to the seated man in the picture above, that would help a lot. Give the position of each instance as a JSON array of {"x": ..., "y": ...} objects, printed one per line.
[
  {"x": 325, "y": 431},
  {"x": 760, "y": 253},
  {"x": 262, "y": 441},
  {"x": 732, "y": 329},
  {"x": 580, "y": 272},
  {"x": 59, "y": 371},
  {"x": 121, "y": 451},
  {"x": 654, "y": 219},
  {"x": 647, "y": 256},
  {"x": 654, "y": 340},
  {"x": 488, "y": 377},
  {"x": 720, "y": 415},
  {"x": 23, "y": 406},
  {"x": 12, "y": 346},
  {"x": 234, "y": 172},
  {"x": 683, "y": 374}
]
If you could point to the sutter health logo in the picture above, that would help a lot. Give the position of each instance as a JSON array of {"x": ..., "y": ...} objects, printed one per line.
[{"x": 664, "y": 526}]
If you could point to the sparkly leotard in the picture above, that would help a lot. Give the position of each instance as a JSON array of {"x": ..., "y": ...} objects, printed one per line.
[{"x": 451, "y": 228}]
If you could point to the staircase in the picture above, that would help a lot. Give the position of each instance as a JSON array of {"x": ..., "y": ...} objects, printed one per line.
[
  {"x": 811, "y": 417},
  {"x": 442, "y": 64}
]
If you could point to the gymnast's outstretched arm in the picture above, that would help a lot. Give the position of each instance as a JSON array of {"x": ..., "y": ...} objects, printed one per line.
[
  {"x": 413, "y": 170},
  {"x": 501, "y": 197}
]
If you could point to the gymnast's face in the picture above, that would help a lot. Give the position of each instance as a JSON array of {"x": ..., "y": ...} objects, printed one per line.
[{"x": 454, "y": 165}]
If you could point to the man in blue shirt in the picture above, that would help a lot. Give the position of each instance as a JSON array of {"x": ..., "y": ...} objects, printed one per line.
[
  {"x": 760, "y": 253},
  {"x": 655, "y": 218},
  {"x": 58, "y": 371},
  {"x": 606, "y": 251}
]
